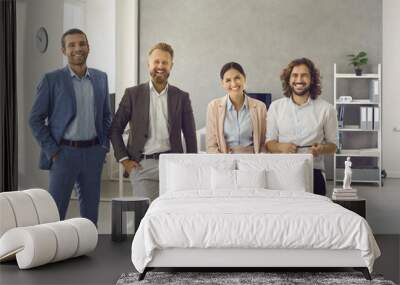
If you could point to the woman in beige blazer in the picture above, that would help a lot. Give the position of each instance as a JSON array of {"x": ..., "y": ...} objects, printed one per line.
[{"x": 236, "y": 123}]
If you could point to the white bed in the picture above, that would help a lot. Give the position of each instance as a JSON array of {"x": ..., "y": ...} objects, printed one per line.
[{"x": 219, "y": 211}]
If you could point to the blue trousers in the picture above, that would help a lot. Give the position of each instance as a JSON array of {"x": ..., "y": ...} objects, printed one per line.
[{"x": 81, "y": 167}]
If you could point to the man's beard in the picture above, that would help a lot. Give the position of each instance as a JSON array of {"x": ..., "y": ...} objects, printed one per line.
[
  {"x": 159, "y": 79},
  {"x": 302, "y": 93}
]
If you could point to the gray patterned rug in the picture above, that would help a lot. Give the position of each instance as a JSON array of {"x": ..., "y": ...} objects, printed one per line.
[{"x": 243, "y": 278}]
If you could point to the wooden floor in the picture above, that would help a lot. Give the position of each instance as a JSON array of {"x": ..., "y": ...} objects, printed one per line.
[{"x": 111, "y": 259}]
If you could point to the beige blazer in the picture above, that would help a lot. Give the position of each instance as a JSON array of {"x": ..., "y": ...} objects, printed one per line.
[{"x": 215, "y": 125}]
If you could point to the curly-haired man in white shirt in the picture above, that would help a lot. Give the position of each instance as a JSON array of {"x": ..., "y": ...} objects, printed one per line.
[{"x": 302, "y": 121}]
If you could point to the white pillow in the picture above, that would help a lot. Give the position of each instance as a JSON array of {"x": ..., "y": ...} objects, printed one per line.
[
  {"x": 280, "y": 174},
  {"x": 251, "y": 178},
  {"x": 292, "y": 179},
  {"x": 223, "y": 179},
  {"x": 187, "y": 176},
  {"x": 237, "y": 179}
]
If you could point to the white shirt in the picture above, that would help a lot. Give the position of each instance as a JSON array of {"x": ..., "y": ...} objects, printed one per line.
[
  {"x": 313, "y": 122},
  {"x": 158, "y": 140}
]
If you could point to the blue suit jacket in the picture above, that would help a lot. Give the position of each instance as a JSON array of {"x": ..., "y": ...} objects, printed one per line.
[{"x": 55, "y": 108}]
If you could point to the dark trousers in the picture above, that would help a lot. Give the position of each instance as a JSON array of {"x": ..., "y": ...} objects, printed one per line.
[
  {"x": 81, "y": 167},
  {"x": 319, "y": 183}
]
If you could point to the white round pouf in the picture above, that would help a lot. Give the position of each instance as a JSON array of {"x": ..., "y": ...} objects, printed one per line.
[
  {"x": 23, "y": 208},
  {"x": 33, "y": 246},
  {"x": 67, "y": 240},
  {"x": 30, "y": 230},
  {"x": 7, "y": 217},
  {"x": 87, "y": 235},
  {"x": 46, "y": 208}
]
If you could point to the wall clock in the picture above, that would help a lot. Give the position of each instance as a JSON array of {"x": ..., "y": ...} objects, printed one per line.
[{"x": 41, "y": 40}]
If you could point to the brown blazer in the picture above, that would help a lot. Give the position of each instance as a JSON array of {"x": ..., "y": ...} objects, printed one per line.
[
  {"x": 134, "y": 109},
  {"x": 215, "y": 125}
]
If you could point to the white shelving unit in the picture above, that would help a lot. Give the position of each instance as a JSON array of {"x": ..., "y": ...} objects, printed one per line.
[{"x": 367, "y": 155}]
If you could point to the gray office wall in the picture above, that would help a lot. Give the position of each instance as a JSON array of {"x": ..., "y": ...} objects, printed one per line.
[
  {"x": 31, "y": 65},
  {"x": 262, "y": 35}
]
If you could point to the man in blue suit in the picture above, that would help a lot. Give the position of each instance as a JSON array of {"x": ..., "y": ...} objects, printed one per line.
[{"x": 70, "y": 119}]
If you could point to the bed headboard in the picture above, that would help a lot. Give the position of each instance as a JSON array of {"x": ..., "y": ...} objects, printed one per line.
[{"x": 210, "y": 159}]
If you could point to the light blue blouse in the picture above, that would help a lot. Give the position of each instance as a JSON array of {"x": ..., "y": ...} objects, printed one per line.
[{"x": 238, "y": 129}]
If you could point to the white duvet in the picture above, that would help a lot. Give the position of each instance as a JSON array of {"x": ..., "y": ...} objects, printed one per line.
[{"x": 253, "y": 218}]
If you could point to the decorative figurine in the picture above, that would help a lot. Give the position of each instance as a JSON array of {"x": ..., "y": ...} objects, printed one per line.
[{"x": 347, "y": 174}]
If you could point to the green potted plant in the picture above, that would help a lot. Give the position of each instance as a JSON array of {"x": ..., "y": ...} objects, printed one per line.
[{"x": 358, "y": 61}]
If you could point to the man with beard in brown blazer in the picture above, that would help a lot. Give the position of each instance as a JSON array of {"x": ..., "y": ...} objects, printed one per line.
[{"x": 157, "y": 113}]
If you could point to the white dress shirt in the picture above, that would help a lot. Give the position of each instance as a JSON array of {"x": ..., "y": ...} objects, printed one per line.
[
  {"x": 158, "y": 140},
  {"x": 313, "y": 122}
]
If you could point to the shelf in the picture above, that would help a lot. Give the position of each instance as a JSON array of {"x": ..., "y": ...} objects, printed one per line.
[
  {"x": 357, "y": 102},
  {"x": 359, "y": 155},
  {"x": 355, "y": 130},
  {"x": 363, "y": 145},
  {"x": 352, "y": 75},
  {"x": 358, "y": 152},
  {"x": 360, "y": 181}
]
